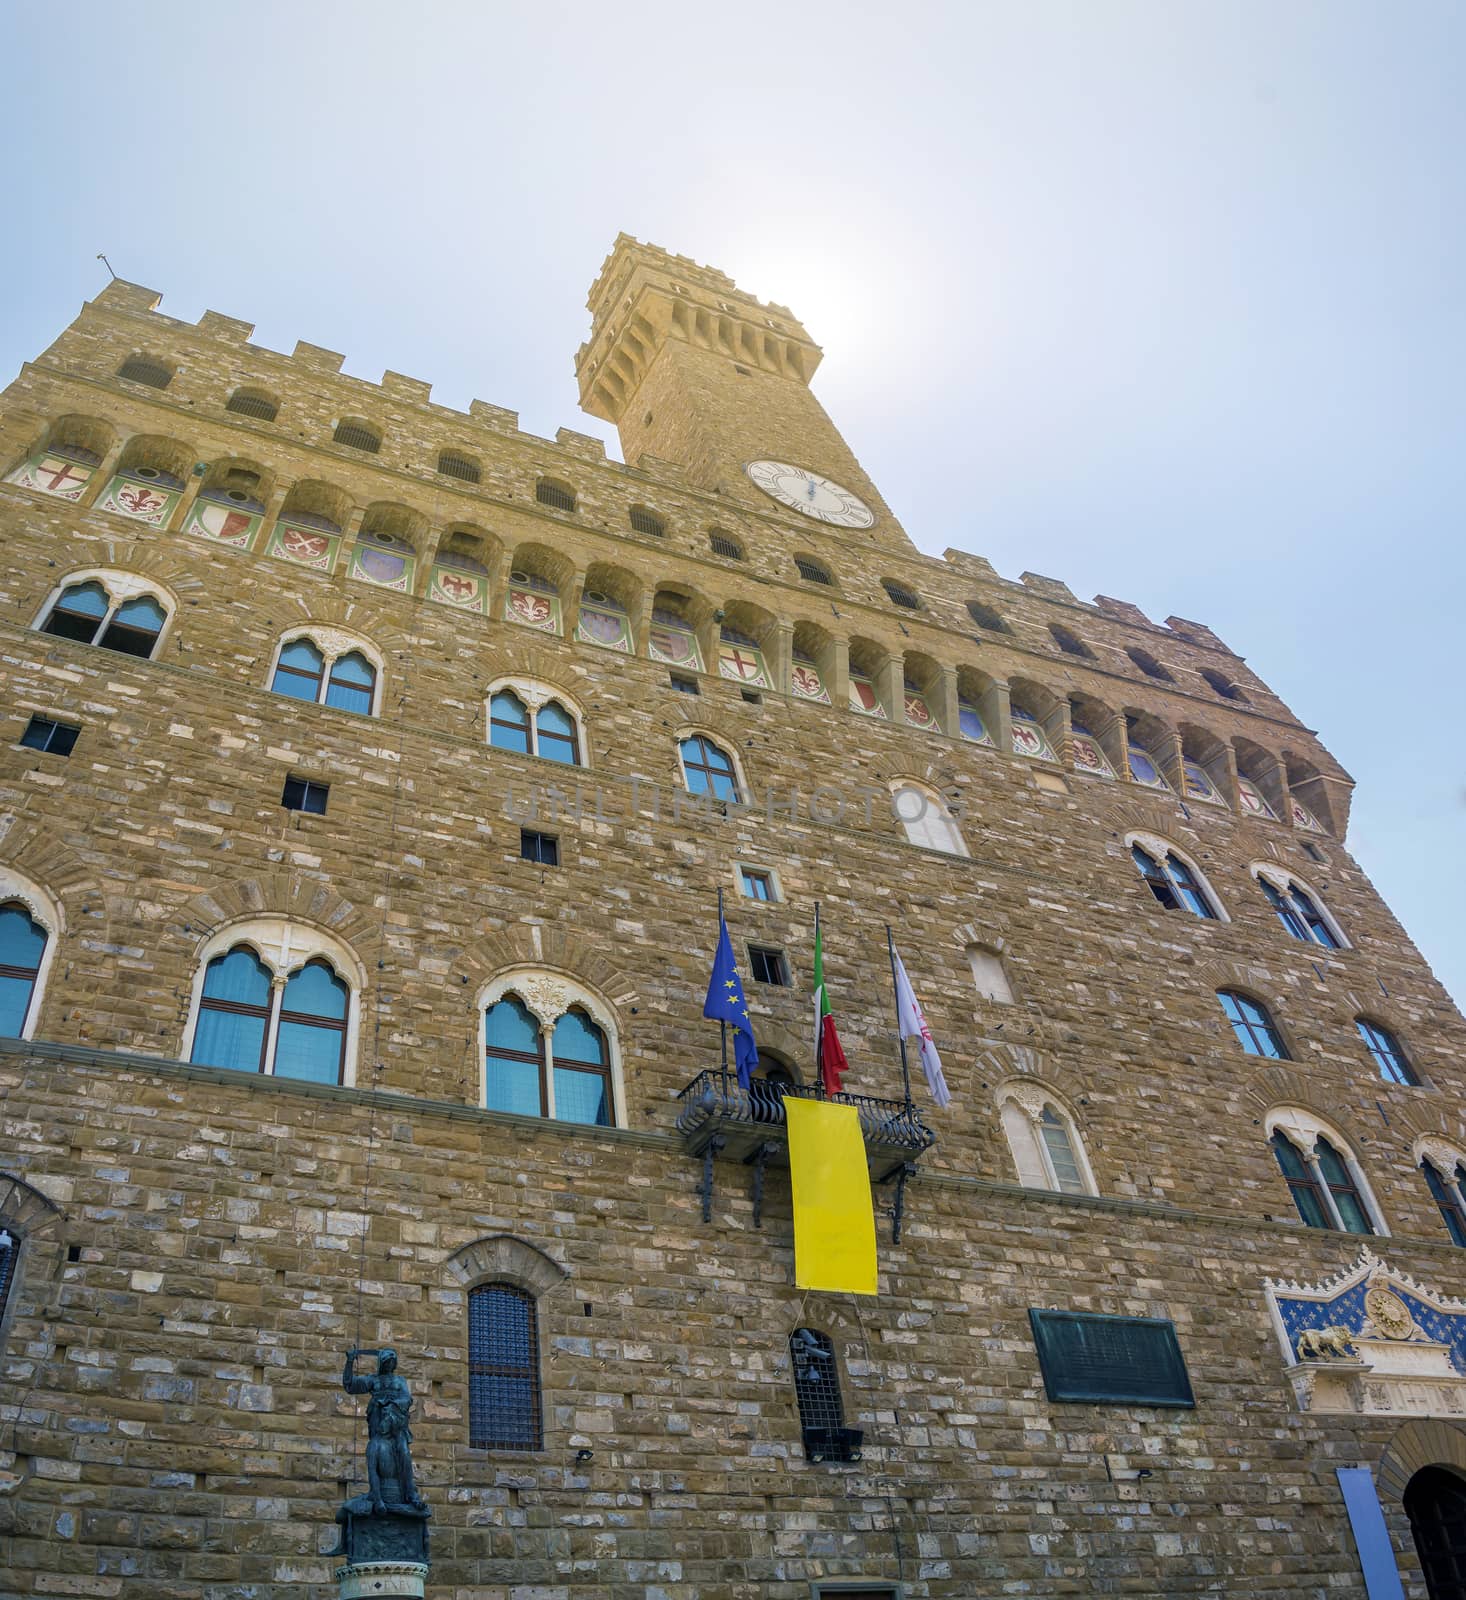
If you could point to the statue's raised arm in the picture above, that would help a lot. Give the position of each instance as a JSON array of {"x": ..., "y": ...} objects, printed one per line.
[{"x": 349, "y": 1380}]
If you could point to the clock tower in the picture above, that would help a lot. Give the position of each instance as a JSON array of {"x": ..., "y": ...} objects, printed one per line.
[{"x": 693, "y": 371}]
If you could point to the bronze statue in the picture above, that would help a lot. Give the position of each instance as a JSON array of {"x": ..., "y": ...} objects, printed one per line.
[{"x": 389, "y": 1440}]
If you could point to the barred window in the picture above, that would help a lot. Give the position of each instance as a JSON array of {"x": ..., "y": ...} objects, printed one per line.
[
  {"x": 556, "y": 495},
  {"x": 452, "y": 464},
  {"x": 817, "y": 1391},
  {"x": 644, "y": 521},
  {"x": 504, "y": 1411},
  {"x": 723, "y": 544},
  {"x": 1149, "y": 665},
  {"x": 1069, "y": 643},
  {"x": 359, "y": 436},
  {"x": 811, "y": 571},
  {"x": 900, "y": 595},
  {"x": 142, "y": 369},
  {"x": 253, "y": 403},
  {"x": 986, "y": 617},
  {"x": 1223, "y": 685}
]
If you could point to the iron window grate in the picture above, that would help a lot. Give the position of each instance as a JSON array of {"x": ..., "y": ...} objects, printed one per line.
[
  {"x": 357, "y": 437},
  {"x": 817, "y": 1393},
  {"x": 553, "y": 494},
  {"x": 253, "y": 405},
  {"x": 721, "y": 545},
  {"x": 456, "y": 466},
  {"x": 811, "y": 571},
  {"x": 644, "y": 521},
  {"x": 900, "y": 595},
  {"x": 1103, "y": 1360},
  {"x": 138, "y": 369},
  {"x": 503, "y": 1369}
]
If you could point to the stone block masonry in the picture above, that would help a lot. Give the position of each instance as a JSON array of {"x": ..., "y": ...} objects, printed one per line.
[{"x": 199, "y": 1245}]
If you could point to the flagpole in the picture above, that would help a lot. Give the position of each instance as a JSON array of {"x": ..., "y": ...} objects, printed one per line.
[
  {"x": 819, "y": 1021},
  {"x": 722, "y": 1022},
  {"x": 900, "y": 1037}
]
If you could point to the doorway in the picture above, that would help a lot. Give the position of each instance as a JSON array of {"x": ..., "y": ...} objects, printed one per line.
[{"x": 1435, "y": 1502}]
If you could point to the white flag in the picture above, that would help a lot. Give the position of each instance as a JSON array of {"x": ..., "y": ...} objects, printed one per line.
[{"x": 911, "y": 1022}]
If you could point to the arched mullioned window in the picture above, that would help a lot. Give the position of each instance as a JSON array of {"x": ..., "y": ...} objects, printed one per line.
[
  {"x": 1047, "y": 1150},
  {"x": 1174, "y": 882},
  {"x": 525, "y": 718},
  {"x": 707, "y": 768},
  {"x": 549, "y": 1051},
  {"x": 1323, "y": 1178},
  {"x": 1299, "y": 911},
  {"x": 1444, "y": 1171},
  {"x": 1253, "y": 1025},
  {"x": 504, "y": 1402},
  {"x": 925, "y": 819},
  {"x": 276, "y": 997},
  {"x": 327, "y": 668},
  {"x": 817, "y": 1394},
  {"x": 112, "y": 609},
  {"x": 1387, "y": 1053}
]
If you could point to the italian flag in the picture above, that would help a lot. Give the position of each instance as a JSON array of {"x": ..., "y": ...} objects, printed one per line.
[{"x": 828, "y": 1054}]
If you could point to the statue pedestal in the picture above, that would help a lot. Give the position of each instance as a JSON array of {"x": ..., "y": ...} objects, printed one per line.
[
  {"x": 376, "y": 1580},
  {"x": 386, "y": 1551}
]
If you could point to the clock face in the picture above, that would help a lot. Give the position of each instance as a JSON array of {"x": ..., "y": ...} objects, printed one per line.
[{"x": 815, "y": 496}]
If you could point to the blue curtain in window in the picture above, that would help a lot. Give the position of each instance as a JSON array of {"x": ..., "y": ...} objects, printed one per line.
[
  {"x": 298, "y": 672},
  {"x": 513, "y": 1058},
  {"x": 312, "y": 1050},
  {"x": 22, "y": 943},
  {"x": 86, "y": 599},
  {"x": 556, "y": 734},
  {"x": 352, "y": 679},
  {"x": 141, "y": 612},
  {"x": 508, "y": 723},
  {"x": 232, "y": 1038},
  {"x": 580, "y": 1096}
]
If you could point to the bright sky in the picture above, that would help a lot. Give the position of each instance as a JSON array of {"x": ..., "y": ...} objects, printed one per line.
[{"x": 1161, "y": 299}]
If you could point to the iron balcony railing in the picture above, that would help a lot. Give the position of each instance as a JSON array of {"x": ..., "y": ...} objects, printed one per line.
[{"x": 715, "y": 1105}]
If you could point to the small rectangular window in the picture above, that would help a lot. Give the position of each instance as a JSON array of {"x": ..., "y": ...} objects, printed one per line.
[
  {"x": 543, "y": 848},
  {"x": 303, "y": 795},
  {"x": 682, "y": 683},
  {"x": 768, "y": 966},
  {"x": 1101, "y": 1360},
  {"x": 56, "y": 738},
  {"x": 753, "y": 697},
  {"x": 756, "y": 885}
]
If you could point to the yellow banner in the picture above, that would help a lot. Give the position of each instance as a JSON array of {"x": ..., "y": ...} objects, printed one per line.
[{"x": 834, "y": 1224}]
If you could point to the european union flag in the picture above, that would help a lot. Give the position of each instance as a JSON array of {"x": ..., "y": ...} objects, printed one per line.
[{"x": 725, "y": 1003}]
